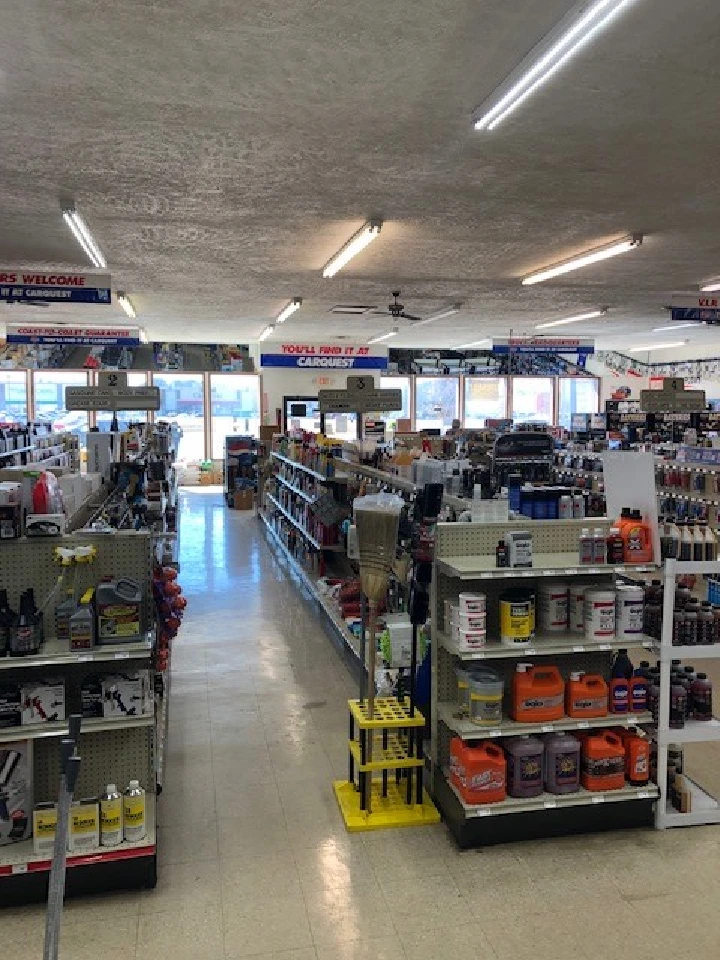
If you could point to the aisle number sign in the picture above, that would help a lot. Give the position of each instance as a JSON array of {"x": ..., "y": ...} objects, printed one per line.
[
  {"x": 332, "y": 356},
  {"x": 29, "y": 286},
  {"x": 112, "y": 398},
  {"x": 359, "y": 397}
]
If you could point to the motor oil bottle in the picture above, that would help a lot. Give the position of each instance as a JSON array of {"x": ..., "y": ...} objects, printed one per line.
[
  {"x": 538, "y": 694},
  {"x": 133, "y": 811},
  {"x": 637, "y": 757},
  {"x": 82, "y": 623},
  {"x": 586, "y": 696},
  {"x": 603, "y": 762},
  {"x": 638, "y": 693},
  {"x": 702, "y": 697},
  {"x": 7, "y": 618},
  {"x": 478, "y": 771},
  {"x": 111, "y": 816},
  {"x": 63, "y": 612}
]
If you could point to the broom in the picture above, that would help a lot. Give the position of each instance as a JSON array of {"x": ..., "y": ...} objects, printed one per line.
[{"x": 377, "y": 519}]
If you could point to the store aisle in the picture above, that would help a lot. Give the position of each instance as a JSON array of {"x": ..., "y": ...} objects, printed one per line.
[{"x": 255, "y": 861}]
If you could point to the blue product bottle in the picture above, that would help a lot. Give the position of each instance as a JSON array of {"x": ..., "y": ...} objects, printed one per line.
[{"x": 622, "y": 665}]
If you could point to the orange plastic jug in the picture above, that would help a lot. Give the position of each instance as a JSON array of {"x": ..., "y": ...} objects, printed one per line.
[
  {"x": 603, "y": 762},
  {"x": 538, "y": 694},
  {"x": 586, "y": 695},
  {"x": 637, "y": 538},
  {"x": 478, "y": 771},
  {"x": 637, "y": 757}
]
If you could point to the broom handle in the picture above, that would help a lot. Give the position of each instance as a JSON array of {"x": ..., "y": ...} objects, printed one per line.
[{"x": 372, "y": 644}]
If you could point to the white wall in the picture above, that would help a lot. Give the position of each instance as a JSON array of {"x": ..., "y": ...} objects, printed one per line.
[{"x": 611, "y": 382}]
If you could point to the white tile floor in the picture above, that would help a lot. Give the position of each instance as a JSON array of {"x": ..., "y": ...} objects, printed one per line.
[{"x": 254, "y": 858}]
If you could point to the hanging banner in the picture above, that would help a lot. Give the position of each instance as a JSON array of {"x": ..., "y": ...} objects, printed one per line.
[
  {"x": 332, "y": 356},
  {"x": 74, "y": 336},
  {"x": 27, "y": 286},
  {"x": 544, "y": 345}
]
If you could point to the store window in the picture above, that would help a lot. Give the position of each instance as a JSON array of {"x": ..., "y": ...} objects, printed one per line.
[
  {"x": 235, "y": 403},
  {"x": 13, "y": 396},
  {"x": 485, "y": 398},
  {"x": 181, "y": 402},
  {"x": 532, "y": 399},
  {"x": 124, "y": 417},
  {"x": 50, "y": 400},
  {"x": 402, "y": 384},
  {"x": 436, "y": 402},
  {"x": 577, "y": 395}
]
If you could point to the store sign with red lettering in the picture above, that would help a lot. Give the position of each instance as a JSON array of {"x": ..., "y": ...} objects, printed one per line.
[
  {"x": 73, "y": 336},
  {"x": 701, "y": 308},
  {"x": 325, "y": 356},
  {"x": 38, "y": 286},
  {"x": 581, "y": 347}
]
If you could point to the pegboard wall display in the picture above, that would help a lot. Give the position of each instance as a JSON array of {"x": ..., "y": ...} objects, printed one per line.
[{"x": 480, "y": 539}]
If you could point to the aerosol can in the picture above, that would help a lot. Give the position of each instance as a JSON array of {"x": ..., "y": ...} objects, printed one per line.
[
  {"x": 134, "y": 824},
  {"x": 111, "y": 816}
]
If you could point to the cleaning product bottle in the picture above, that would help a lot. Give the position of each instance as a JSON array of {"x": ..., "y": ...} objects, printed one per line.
[
  {"x": 111, "y": 817},
  {"x": 619, "y": 688},
  {"x": 586, "y": 696},
  {"x": 603, "y": 762},
  {"x": 63, "y": 612},
  {"x": 599, "y": 546},
  {"x": 615, "y": 547},
  {"x": 538, "y": 694},
  {"x": 638, "y": 540},
  {"x": 622, "y": 665},
  {"x": 478, "y": 771},
  {"x": 586, "y": 546},
  {"x": 562, "y": 763},
  {"x": 524, "y": 766},
  {"x": 637, "y": 757},
  {"x": 82, "y": 623},
  {"x": 638, "y": 693},
  {"x": 134, "y": 823}
]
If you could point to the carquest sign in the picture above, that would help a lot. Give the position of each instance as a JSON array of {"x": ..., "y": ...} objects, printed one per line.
[
  {"x": 78, "y": 336},
  {"x": 28, "y": 286},
  {"x": 331, "y": 356},
  {"x": 544, "y": 345}
]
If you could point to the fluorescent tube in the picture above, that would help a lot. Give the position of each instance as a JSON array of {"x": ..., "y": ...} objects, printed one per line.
[
  {"x": 476, "y": 343},
  {"x": 267, "y": 332},
  {"x": 675, "y": 326},
  {"x": 441, "y": 315},
  {"x": 289, "y": 310},
  {"x": 355, "y": 244},
  {"x": 573, "y": 33},
  {"x": 124, "y": 302},
  {"x": 585, "y": 259},
  {"x": 581, "y": 316},
  {"x": 83, "y": 236},
  {"x": 711, "y": 287},
  {"x": 658, "y": 346},
  {"x": 384, "y": 336}
]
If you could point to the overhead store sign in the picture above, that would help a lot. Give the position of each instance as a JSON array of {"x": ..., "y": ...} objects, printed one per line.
[
  {"x": 699, "y": 307},
  {"x": 544, "y": 345},
  {"x": 79, "y": 336},
  {"x": 359, "y": 397},
  {"x": 672, "y": 398},
  {"x": 112, "y": 398},
  {"x": 28, "y": 286},
  {"x": 322, "y": 356}
]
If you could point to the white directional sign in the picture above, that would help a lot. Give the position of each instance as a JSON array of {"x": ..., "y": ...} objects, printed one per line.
[
  {"x": 672, "y": 398},
  {"x": 112, "y": 398},
  {"x": 359, "y": 397}
]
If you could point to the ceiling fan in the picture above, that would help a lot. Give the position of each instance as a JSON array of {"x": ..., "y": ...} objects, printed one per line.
[{"x": 396, "y": 310}]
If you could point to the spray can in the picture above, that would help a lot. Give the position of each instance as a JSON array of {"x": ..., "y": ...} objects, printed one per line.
[
  {"x": 134, "y": 823},
  {"x": 111, "y": 816}
]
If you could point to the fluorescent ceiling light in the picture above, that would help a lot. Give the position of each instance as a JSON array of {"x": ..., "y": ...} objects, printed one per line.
[
  {"x": 124, "y": 302},
  {"x": 384, "y": 336},
  {"x": 355, "y": 244},
  {"x": 441, "y": 315},
  {"x": 83, "y": 236},
  {"x": 267, "y": 332},
  {"x": 585, "y": 259},
  {"x": 289, "y": 310},
  {"x": 676, "y": 326},
  {"x": 581, "y": 316},
  {"x": 575, "y": 31},
  {"x": 711, "y": 287},
  {"x": 658, "y": 346},
  {"x": 476, "y": 343}
]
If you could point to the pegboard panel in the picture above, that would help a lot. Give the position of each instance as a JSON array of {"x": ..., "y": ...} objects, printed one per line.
[
  {"x": 480, "y": 539},
  {"x": 31, "y": 563},
  {"x": 108, "y": 756}
]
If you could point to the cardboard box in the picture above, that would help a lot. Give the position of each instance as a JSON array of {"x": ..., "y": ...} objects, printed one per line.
[
  {"x": 44, "y": 827},
  {"x": 206, "y": 478},
  {"x": 43, "y": 701},
  {"x": 127, "y": 695},
  {"x": 244, "y": 499},
  {"x": 10, "y": 705},
  {"x": 17, "y": 789}
]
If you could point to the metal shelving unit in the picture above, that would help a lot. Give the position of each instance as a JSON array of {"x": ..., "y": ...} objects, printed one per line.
[{"x": 298, "y": 526}]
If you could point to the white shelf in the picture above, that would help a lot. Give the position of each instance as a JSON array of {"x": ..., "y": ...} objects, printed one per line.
[
  {"x": 544, "y": 645},
  {"x": 694, "y": 731},
  {"x": 56, "y": 652},
  {"x": 448, "y": 713},
  {"x": 300, "y": 466},
  {"x": 545, "y": 565},
  {"x": 19, "y": 858},
  {"x": 551, "y": 801},
  {"x": 300, "y": 493},
  {"x": 61, "y": 728},
  {"x": 300, "y": 527},
  {"x": 669, "y": 492},
  {"x": 697, "y": 652},
  {"x": 704, "y": 809}
]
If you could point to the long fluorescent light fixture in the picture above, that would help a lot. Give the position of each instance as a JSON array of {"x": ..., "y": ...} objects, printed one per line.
[
  {"x": 441, "y": 315},
  {"x": 355, "y": 244},
  {"x": 711, "y": 287},
  {"x": 267, "y": 332},
  {"x": 83, "y": 236},
  {"x": 289, "y": 310},
  {"x": 676, "y": 326},
  {"x": 593, "y": 256},
  {"x": 384, "y": 336},
  {"x": 658, "y": 346},
  {"x": 575, "y": 31},
  {"x": 124, "y": 301},
  {"x": 581, "y": 316},
  {"x": 476, "y": 343}
]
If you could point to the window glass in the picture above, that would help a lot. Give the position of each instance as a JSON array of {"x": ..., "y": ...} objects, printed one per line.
[
  {"x": 532, "y": 399},
  {"x": 577, "y": 395},
  {"x": 181, "y": 402},
  {"x": 342, "y": 426},
  {"x": 13, "y": 396},
  {"x": 124, "y": 417},
  {"x": 235, "y": 408},
  {"x": 436, "y": 402},
  {"x": 485, "y": 397},
  {"x": 391, "y": 417},
  {"x": 50, "y": 401}
]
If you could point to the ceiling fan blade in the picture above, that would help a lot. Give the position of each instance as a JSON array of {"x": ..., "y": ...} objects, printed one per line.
[{"x": 409, "y": 316}]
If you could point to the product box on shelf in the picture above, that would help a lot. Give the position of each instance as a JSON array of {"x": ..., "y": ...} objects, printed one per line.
[
  {"x": 127, "y": 695},
  {"x": 84, "y": 832},
  {"x": 43, "y": 701},
  {"x": 10, "y": 521},
  {"x": 16, "y": 801},
  {"x": 44, "y": 524},
  {"x": 10, "y": 705},
  {"x": 44, "y": 828},
  {"x": 91, "y": 697},
  {"x": 244, "y": 499}
]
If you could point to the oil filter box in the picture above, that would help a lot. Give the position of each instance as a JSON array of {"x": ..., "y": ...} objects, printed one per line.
[
  {"x": 44, "y": 829},
  {"x": 43, "y": 701},
  {"x": 84, "y": 828},
  {"x": 16, "y": 802},
  {"x": 91, "y": 697}
]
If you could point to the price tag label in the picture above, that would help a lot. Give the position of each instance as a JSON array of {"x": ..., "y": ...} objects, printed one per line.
[
  {"x": 570, "y": 571},
  {"x": 527, "y": 573},
  {"x": 598, "y": 799},
  {"x": 605, "y": 646},
  {"x": 643, "y": 795},
  {"x": 19, "y": 868},
  {"x": 84, "y": 658},
  {"x": 594, "y": 570},
  {"x": 583, "y": 725},
  {"x": 493, "y": 733},
  {"x": 578, "y": 649},
  {"x": 547, "y": 728},
  {"x": 122, "y": 656},
  {"x": 484, "y": 813},
  {"x": 485, "y": 576},
  {"x": 530, "y": 651},
  {"x": 550, "y": 804}
]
